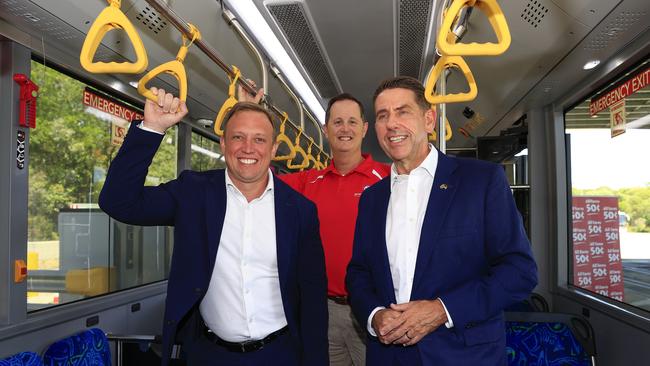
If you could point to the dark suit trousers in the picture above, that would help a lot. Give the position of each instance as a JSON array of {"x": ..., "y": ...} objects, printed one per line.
[
  {"x": 281, "y": 351},
  {"x": 407, "y": 356}
]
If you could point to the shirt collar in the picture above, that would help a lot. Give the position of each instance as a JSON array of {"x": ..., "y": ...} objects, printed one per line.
[
  {"x": 269, "y": 185},
  {"x": 365, "y": 167},
  {"x": 428, "y": 166}
]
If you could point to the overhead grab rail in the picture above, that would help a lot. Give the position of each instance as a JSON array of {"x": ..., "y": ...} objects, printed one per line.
[
  {"x": 234, "y": 22},
  {"x": 283, "y": 138},
  {"x": 444, "y": 63},
  {"x": 174, "y": 68},
  {"x": 164, "y": 10},
  {"x": 112, "y": 18},
  {"x": 228, "y": 103},
  {"x": 446, "y": 43}
]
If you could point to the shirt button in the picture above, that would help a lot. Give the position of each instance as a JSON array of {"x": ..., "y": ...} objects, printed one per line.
[{"x": 248, "y": 291}]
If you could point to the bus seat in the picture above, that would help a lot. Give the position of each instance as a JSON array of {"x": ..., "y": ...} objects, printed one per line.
[
  {"x": 535, "y": 302},
  {"x": 89, "y": 347},
  {"x": 22, "y": 359},
  {"x": 537, "y": 338}
]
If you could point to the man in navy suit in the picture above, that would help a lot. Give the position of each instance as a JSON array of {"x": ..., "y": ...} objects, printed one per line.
[
  {"x": 247, "y": 284},
  {"x": 439, "y": 249}
]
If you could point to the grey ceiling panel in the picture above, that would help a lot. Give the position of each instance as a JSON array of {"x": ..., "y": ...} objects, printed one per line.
[{"x": 293, "y": 19}]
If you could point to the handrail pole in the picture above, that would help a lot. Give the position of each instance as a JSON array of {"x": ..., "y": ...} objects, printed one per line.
[
  {"x": 234, "y": 22},
  {"x": 184, "y": 28}
]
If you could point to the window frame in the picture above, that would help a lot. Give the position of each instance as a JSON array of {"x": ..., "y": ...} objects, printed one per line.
[{"x": 560, "y": 252}]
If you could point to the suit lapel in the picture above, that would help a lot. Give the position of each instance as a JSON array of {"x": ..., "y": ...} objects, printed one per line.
[
  {"x": 380, "y": 211},
  {"x": 216, "y": 199},
  {"x": 284, "y": 220},
  {"x": 442, "y": 193}
]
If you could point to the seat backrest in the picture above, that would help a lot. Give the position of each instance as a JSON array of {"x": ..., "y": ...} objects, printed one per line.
[
  {"x": 549, "y": 339},
  {"x": 89, "y": 347},
  {"x": 22, "y": 359},
  {"x": 534, "y": 302}
]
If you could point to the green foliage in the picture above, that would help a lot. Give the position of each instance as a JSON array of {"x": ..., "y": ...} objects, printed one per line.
[
  {"x": 635, "y": 202},
  {"x": 70, "y": 151}
]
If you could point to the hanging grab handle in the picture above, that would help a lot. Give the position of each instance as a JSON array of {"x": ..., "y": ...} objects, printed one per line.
[
  {"x": 283, "y": 138},
  {"x": 298, "y": 149},
  {"x": 448, "y": 132},
  {"x": 311, "y": 158},
  {"x": 174, "y": 68},
  {"x": 443, "y": 63},
  {"x": 229, "y": 103},
  {"x": 446, "y": 43},
  {"x": 112, "y": 18}
]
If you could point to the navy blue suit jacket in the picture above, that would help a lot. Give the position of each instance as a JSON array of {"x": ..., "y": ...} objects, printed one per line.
[
  {"x": 473, "y": 254},
  {"x": 195, "y": 204}
]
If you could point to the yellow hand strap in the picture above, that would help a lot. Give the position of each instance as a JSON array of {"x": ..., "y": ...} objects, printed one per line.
[
  {"x": 297, "y": 148},
  {"x": 112, "y": 18},
  {"x": 447, "y": 44},
  {"x": 311, "y": 158},
  {"x": 283, "y": 138},
  {"x": 443, "y": 63},
  {"x": 174, "y": 68},
  {"x": 448, "y": 132},
  {"x": 229, "y": 103}
]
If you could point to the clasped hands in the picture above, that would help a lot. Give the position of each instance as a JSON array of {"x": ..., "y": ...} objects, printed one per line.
[{"x": 408, "y": 323}]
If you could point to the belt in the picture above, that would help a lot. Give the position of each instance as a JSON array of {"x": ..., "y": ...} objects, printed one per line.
[
  {"x": 341, "y": 300},
  {"x": 248, "y": 346}
]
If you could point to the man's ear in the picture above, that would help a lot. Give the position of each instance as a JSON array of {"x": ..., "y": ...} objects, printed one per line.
[
  {"x": 365, "y": 128},
  {"x": 430, "y": 119}
]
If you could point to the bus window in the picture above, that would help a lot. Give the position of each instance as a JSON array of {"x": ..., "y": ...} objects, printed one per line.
[
  {"x": 206, "y": 154},
  {"x": 74, "y": 250},
  {"x": 609, "y": 135}
]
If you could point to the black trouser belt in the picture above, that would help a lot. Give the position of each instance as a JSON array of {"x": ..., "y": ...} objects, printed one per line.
[
  {"x": 249, "y": 346},
  {"x": 341, "y": 300}
]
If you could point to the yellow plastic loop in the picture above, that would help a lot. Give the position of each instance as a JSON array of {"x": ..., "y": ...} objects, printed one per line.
[
  {"x": 229, "y": 103},
  {"x": 283, "y": 138},
  {"x": 311, "y": 158},
  {"x": 448, "y": 132},
  {"x": 298, "y": 149},
  {"x": 492, "y": 10},
  {"x": 174, "y": 68},
  {"x": 112, "y": 18},
  {"x": 443, "y": 63}
]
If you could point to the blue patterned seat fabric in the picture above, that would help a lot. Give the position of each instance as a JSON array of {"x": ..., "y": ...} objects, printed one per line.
[
  {"x": 87, "y": 348},
  {"x": 22, "y": 359},
  {"x": 548, "y": 344}
]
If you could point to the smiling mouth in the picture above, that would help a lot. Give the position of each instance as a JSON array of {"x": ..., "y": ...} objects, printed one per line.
[
  {"x": 396, "y": 139},
  {"x": 247, "y": 161},
  {"x": 345, "y": 138}
]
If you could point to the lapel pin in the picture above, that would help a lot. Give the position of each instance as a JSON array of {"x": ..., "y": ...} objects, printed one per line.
[{"x": 443, "y": 186}]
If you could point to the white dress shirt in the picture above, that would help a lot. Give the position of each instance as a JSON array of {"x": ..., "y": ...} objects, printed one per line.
[
  {"x": 407, "y": 207},
  {"x": 243, "y": 301}
]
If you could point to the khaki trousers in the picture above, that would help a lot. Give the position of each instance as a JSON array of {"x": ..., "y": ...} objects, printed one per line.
[{"x": 347, "y": 340}]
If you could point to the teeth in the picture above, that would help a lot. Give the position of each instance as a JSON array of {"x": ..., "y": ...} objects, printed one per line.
[
  {"x": 396, "y": 138},
  {"x": 247, "y": 161},
  {"x": 345, "y": 138}
]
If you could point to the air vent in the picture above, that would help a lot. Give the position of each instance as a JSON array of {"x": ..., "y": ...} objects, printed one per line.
[
  {"x": 36, "y": 18},
  {"x": 414, "y": 17},
  {"x": 614, "y": 29},
  {"x": 151, "y": 19},
  {"x": 292, "y": 19},
  {"x": 534, "y": 12}
]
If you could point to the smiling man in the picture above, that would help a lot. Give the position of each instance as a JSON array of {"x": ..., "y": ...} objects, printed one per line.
[
  {"x": 247, "y": 282},
  {"x": 439, "y": 248},
  {"x": 336, "y": 191}
]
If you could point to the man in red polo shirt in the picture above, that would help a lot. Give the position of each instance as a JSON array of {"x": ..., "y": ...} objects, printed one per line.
[{"x": 336, "y": 191}]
